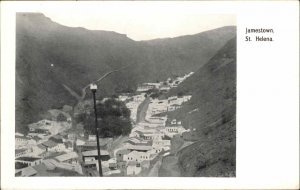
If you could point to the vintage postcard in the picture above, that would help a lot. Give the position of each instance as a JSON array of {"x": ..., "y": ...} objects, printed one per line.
[{"x": 151, "y": 95}]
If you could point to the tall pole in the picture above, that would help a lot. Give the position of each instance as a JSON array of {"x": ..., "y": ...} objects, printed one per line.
[{"x": 94, "y": 89}]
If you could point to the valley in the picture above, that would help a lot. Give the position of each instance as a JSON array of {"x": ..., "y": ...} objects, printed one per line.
[{"x": 170, "y": 103}]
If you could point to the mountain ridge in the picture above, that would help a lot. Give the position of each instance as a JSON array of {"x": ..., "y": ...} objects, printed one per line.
[{"x": 211, "y": 117}]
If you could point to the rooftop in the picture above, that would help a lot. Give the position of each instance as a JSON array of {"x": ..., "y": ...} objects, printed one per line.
[
  {"x": 94, "y": 153},
  {"x": 17, "y": 151},
  {"x": 28, "y": 171},
  {"x": 22, "y": 137},
  {"x": 41, "y": 146},
  {"x": 28, "y": 159},
  {"x": 66, "y": 156},
  {"x": 139, "y": 147},
  {"x": 49, "y": 143}
]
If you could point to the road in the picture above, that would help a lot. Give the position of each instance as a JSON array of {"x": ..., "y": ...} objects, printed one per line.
[
  {"x": 154, "y": 170},
  {"x": 83, "y": 90},
  {"x": 142, "y": 110}
]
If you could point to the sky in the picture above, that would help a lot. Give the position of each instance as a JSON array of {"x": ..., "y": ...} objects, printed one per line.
[{"x": 139, "y": 21}]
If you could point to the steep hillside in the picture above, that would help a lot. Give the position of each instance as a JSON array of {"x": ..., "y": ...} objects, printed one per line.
[
  {"x": 49, "y": 56},
  {"x": 210, "y": 115}
]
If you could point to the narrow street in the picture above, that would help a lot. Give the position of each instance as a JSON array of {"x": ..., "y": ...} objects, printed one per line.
[{"x": 142, "y": 110}]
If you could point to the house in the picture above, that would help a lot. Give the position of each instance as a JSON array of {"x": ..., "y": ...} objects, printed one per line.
[
  {"x": 26, "y": 172},
  {"x": 157, "y": 120},
  {"x": 136, "y": 141},
  {"x": 24, "y": 141},
  {"x": 161, "y": 143},
  {"x": 178, "y": 129},
  {"x": 121, "y": 165},
  {"x": 71, "y": 158},
  {"x": 120, "y": 153},
  {"x": 135, "y": 133},
  {"x": 79, "y": 142},
  {"x": 88, "y": 145},
  {"x": 112, "y": 164},
  {"x": 133, "y": 168},
  {"x": 92, "y": 138},
  {"x": 19, "y": 134},
  {"x": 175, "y": 122},
  {"x": 38, "y": 150},
  {"x": 37, "y": 139},
  {"x": 35, "y": 126},
  {"x": 139, "y": 98},
  {"x": 172, "y": 130},
  {"x": 164, "y": 87},
  {"x": 57, "y": 139},
  {"x": 173, "y": 107},
  {"x": 186, "y": 98},
  {"x": 21, "y": 152},
  {"x": 21, "y": 140},
  {"x": 152, "y": 136},
  {"x": 41, "y": 132},
  {"x": 30, "y": 161},
  {"x": 145, "y": 87},
  {"x": 105, "y": 144},
  {"x": 140, "y": 148},
  {"x": 155, "y": 150},
  {"x": 92, "y": 155},
  {"x": 123, "y": 98},
  {"x": 52, "y": 146},
  {"x": 136, "y": 156}
]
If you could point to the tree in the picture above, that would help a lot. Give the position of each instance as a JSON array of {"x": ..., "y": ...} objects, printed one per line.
[
  {"x": 180, "y": 94},
  {"x": 113, "y": 119},
  {"x": 61, "y": 117}
]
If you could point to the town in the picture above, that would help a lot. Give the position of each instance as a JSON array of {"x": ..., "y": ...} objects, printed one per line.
[{"x": 57, "y": 145}]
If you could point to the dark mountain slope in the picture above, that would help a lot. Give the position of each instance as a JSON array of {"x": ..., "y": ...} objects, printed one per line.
[
  {"x": 210, "y": 115},
  {"x": 80, "y": 56}
]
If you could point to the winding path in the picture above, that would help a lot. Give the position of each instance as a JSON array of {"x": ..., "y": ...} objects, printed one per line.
[{"x": 83, "y": 90}]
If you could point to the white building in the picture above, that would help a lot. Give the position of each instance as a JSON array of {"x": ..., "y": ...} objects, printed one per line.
[
  {"x": 53, "y": 146},
  {"x": 145, "y": 87},
  {"x": 30, "y": 161},
  {"x": 136, "y": 156},
  {"x": 71, "y": 158},
  {"x": 21, "y": 141},
  {"x": 161, "y": 143},
  {"x": 133, "y": 168}
]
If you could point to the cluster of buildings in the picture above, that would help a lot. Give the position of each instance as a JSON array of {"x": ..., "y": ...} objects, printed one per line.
[
  {"x": 132, "y": 103},
  {"x": 46, "y": 139},
  {"x": 163, "y": 85},
  {"x": 51, "y": 147},
  {"x": 158, "y": 106}
]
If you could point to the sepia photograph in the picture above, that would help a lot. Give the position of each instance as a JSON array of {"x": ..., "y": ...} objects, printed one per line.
[{"x": 91, "y": 101}]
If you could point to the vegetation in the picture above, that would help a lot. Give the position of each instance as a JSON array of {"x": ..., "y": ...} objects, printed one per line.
[
  {"x": 113, "y": 119},
  {"x": 61, "y": 117}
]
